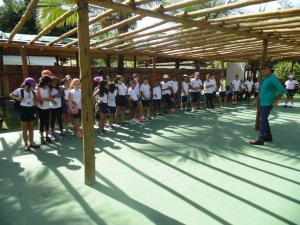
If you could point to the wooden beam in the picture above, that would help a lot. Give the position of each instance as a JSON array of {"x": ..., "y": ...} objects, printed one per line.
[
  {"x": 226, "y": 7},
  {"x": 1, "y": 72},
  {"x": 25, "y": 16},
  {"x": 188, "y": 22},
  {"x": 86, "y": 91},
  {"x": 51, "y": 26},
  {"x": 263, "y": 59},
  {"x": 24, "y": 62}
]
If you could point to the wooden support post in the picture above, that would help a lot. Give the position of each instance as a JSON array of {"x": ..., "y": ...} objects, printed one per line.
[
  {"x": 108, "y": 64},
  {"x": 86, "y": 90},
  {"x": 121, "y": 65},
  {"x": 134, "y": 62},
  {"x": 153, "y": 69},
  {"x": 146, "y": 64},
  {"x": 222, "y": 68},
  {"x": 24, "y": 62},
  {"x": 263, "y": 59},
  {"x": 1, "y": 73},
  {"x": 197, "y": 65},
  {"x": 177, "y": 64},
  {"x": 77, "y": 60}
]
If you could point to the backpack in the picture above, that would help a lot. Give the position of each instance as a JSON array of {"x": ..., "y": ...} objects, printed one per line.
[{"x": 17, "y": 103}]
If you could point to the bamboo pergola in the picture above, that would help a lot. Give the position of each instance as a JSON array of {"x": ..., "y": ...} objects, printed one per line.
[{"x": 179, "y": 35}]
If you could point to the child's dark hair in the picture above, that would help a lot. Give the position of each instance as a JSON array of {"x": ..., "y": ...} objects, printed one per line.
[
  {"x": 118, "y": 77},
  {"x": 102, "y": 88},
  {"x": 44, "y": 80},
  {"x": 57, "y": 84},
  {"x": 112, "y": 87}
]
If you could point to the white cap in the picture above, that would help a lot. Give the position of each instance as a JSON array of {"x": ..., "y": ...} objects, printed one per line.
[
  {"x": 291, "y": 76},
  {"x": 166, "y": 76},
  {"x": 197, "y": 73}
]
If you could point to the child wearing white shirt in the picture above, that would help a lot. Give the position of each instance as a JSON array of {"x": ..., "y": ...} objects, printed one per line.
[
  {"x": 121, "y": 99},
  {"x": 102, "y": 104},
  {"x": 222, "y": 91},
  {"x": 248, "y": 88},
  {"x": 184, "y": 92},
  {"x": 111, "y": 103},
  {"x": 146, "y": 97},
  {"x": 133, "y": 99},
  {"x": 157, "y": 95},
  {"x": 290, "y": 86},
  {"x": 166, "y": 91},
  {"x": 236, "y": 85},
  {"x": 174, "y": 87},
  {"x": 196, "y": 85},
  {"x": 209, "y": 87}
]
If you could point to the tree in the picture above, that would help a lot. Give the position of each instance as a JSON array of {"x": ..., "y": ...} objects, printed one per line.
[
  {"x": 10, "y": 14},
  {"x": 284, "y": 68}
]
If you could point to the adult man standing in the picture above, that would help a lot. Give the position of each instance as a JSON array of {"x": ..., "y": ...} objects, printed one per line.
[{"x": 271, "y": 90}]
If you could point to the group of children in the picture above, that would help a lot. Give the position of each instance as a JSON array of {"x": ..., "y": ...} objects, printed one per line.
[{"x": 54, "y": 101}]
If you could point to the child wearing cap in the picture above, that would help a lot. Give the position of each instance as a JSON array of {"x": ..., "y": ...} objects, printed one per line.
[
  {"x": 146, "y": 98},
  {"x": 236, "y": 85},
  {"x": 166, "y": 91},
  {"x": 256, "y": 88},
  {"x": 44, "y": 97},
  {"x": 27, "y": 111},
  {"x": 290, "y": 86},
  {"x": 222, "y": 91},
  {"x": 67, "y": 117},
  {"x": 74, "y": 105},
  {"x": 195, "y": 85},
  {"x": 184, "y": 92},
  {"x": 157, "y": 95}
]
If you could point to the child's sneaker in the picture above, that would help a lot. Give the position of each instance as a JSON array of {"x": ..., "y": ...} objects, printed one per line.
[
  {"x": 79, "y": 134},
  {"x": 43, "y": 141},
  {"x": 49, "y": 140},
  {"x": 63, "y": 135},
  {"x": 54, "y": 137}
]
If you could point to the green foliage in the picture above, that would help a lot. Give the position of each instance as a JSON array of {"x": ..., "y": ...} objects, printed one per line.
[
  {"x": 284, "y": 68},
  {"x": 10, "y": 14}
]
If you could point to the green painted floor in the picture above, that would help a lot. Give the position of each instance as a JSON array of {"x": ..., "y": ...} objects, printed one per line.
[{"x": 192, "y": 168}]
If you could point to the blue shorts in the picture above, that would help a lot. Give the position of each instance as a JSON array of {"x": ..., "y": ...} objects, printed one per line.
[
  {"x": 121, "y": 100},
  {"x": 290, "y": 92},
  {"x": 112, "y": 110},
  {"x": 134, "y": 104},
  {"x": 195, "y": 96},
  {"x": 184, "y": 98},
  {"x": 156, "y": 102},
  {"x": 222, "y": 94},
  {"x": 27, "y": 114},
  {"x": 146, "y": 103},
  {"x": 103, "y": 108}
]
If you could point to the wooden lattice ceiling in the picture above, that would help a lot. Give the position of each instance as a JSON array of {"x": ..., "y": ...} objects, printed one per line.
[{"x": 190, "y": 35}]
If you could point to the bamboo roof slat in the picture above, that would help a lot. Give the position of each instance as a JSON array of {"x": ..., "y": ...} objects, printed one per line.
[{"x": 21, "y": 23}]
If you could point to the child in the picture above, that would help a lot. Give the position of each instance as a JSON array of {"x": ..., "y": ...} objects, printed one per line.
[
  {"x": 133, "y": 98},
  {"x": 146, "y": 97},
  {"x": 44, "y": 97},
  {"x": 174, "y": 89},
  {"x": 56, "y": 112},
  {"x": 184, "y": 92},
  {"x": 121, "y": 99},
  {"x": 236, "y": 84},
  {"x": 74, "y": 105},
  {"x": 166, "y": 91},
  {"x": 213, "y": 80},
  {"x": 27, "y": 110},
  {"x": 138, "y": 91},
  {"x": 209, "y": 87},
  {"x": 248, "y": 88},
  {"x": 111, "y": 102},
  {"x": 156, "y": 96},
  {"x": 102, "y": 105},
  {"x": 256, "y": 89},
  {"x": 290, "y": 86},
  {"x": 67, "y": 117},
  {"x": 222, "y": 91},
  {"x": 196, "y": 85}
]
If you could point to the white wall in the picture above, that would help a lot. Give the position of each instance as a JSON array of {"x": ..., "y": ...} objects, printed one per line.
[
  {"x": 31, "y": 60},
  {"x": 235, "y": 68}
]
